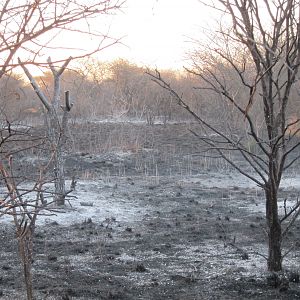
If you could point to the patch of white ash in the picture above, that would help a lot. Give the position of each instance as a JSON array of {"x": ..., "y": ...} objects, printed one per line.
[
  {"x": 235, "y": 179},
  {"x": 211, "y": 260},
  {"x": 220, "y": 180},
  {"x": 95, "y": 200}
]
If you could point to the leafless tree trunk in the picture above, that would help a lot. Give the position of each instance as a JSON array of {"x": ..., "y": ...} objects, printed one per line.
[
  {"x": 262, "y": 49},
  {"x": 30, "y": 26},
  {"x": 23, "y": 233},
  {"x": 24, "y": 205},
  {"x": 56, "y": 125},
  {"x": 25, "y": 244}
]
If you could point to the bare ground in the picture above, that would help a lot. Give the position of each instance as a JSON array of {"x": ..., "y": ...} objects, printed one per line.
[{"x": 163, "y": 225}]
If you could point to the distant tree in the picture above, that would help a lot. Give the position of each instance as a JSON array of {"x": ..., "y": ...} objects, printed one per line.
[
  {"x": 135, "y": 95},
  {"x": 94, "y": 92},
  {"x": 262, "y": 50},
  {"x": 127, "y": 78}
]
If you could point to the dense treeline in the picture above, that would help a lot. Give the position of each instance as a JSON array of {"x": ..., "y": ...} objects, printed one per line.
[
  {"x": 98, "y": 90},
  {"x": 123, "y": 90}
]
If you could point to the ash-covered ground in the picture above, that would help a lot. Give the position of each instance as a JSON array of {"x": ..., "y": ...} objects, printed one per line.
[{"x": 151, "y": 219}]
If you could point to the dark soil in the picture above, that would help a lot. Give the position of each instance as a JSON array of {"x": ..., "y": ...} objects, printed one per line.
[{"x": 188, "y": 239}]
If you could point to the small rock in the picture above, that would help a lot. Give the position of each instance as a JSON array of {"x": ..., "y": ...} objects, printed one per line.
[
  {"x": 54, "y": 223},
  {"x": 283, "y": 288},
  {"x": 52, "y": 257},
  {"x": 140, "y": 268},
  {"x": 86, "y": 203},
  {"x": 294, "y": 277},
  {"x": 245, "y": 256},
  {"x": 88, "y": 221}
]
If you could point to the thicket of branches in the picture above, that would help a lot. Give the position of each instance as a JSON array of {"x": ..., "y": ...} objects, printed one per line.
[
  {"x": 252, "y": 67},
  {"x": 31, "y": 31},
  {"x": 122, "y": 89}
]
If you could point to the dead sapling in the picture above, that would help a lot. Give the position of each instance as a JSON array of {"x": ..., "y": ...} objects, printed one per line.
[
  {"x": 289, "y": 217},
  {"x": 24, "y": 205},
  {"x": 232, "y": 242}
]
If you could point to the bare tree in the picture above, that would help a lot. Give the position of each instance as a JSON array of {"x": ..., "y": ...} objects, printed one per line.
[
  {"x": 28, "y": 27},
  {"x": 262, "y": 48},
  {"x": 23, "y": 198},
  {"x": 24, "y": 214},
  {"x": 56, "y": 124}
]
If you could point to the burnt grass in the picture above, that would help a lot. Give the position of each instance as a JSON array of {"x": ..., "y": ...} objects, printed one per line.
[{"x": 188, "y": 241}]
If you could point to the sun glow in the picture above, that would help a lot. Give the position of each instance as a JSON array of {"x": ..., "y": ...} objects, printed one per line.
[
  {"x": 157, "y": 32},
  {"x": 152, "y": 33}
]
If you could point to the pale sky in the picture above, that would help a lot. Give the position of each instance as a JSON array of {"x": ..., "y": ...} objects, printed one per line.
[{"x": 157, "y": 32}]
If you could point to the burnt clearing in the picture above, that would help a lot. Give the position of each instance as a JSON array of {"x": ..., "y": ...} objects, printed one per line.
[{"x": 151, "y": 219}]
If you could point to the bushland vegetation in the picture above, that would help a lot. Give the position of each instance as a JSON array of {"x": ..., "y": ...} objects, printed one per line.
[{"x": 122, "y": 90}]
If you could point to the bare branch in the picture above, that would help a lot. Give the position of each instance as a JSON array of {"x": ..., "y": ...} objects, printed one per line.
[{"x": 35, "y": 86}]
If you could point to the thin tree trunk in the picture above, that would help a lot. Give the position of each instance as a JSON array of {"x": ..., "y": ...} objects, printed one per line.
[
  {"x": 60, "y": 188},
  {"x": 56, "y": 126},
  {"x": 25, "y": 249},
  {"x": 274, "y": 230}
]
